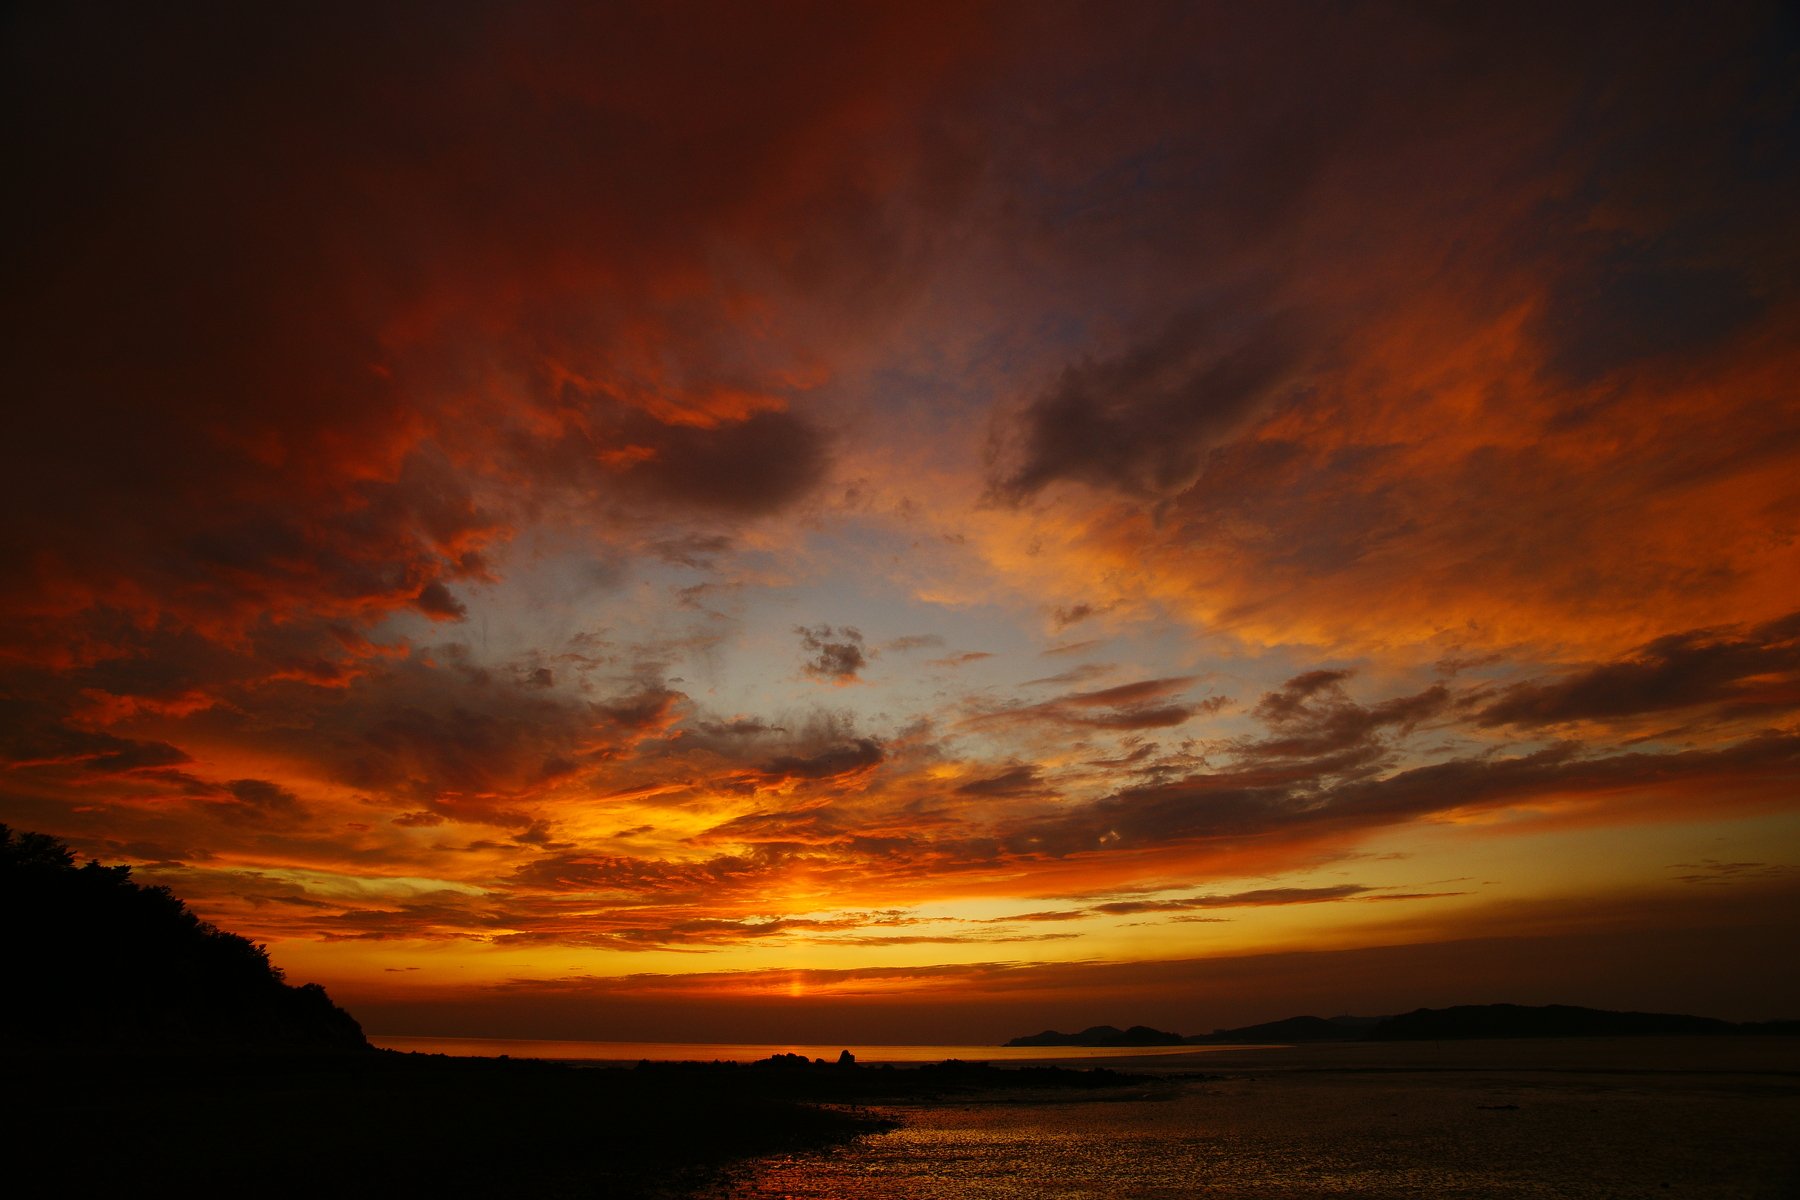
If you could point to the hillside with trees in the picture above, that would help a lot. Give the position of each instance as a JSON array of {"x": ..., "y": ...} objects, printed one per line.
[{"x": 97, "y": 961}]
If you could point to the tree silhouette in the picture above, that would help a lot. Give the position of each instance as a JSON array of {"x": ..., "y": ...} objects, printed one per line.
[{"x": 94, "y": 959}]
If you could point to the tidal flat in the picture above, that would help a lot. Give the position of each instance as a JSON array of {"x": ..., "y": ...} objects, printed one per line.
[{"x": 1570, "y": 1119}]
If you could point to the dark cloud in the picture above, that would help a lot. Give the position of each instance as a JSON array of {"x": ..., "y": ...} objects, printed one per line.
[
  {"x": 674, "y": 881},
  {"x": 784, "y": 828},
  {"x": 257, "y": 802},
  {"x": 836, "y": 762},
  {"x": 1295, "y": 691},
  {"x": 752, "y": 466},
  {"x": 1299, "y": 804},
  {"x": 1742, "y": 671},
  {"x": 1073, "y": 647},
  {"x": 156, "y": 854},
  {"x": 652, "y": 707},
  {"x": 1667, "y": 280},
  {"x": 1134, "y": 752},
  {"x": 1637, "y": 302},
  {"x": 915, "y": 641},
  {"x": 418, "y": 750},
  {"x": 1143, "y": 419},
  {"x": 960, "y": 660},
  {"x": 1128, "y": 694},
  {"x": 740, "y": 727},
  {"x": 1074, "y": 614},
  {"x": 542, "y": 835},
  {"x": 1206, "y": 806},
  {"x": 697, "y": 550},
  {"x": 434, "y": 734},
  {"x": 1086, "y": 673},
  {"x": 1261, "y": 897},
  {"x": 1311, "y": 716},
  {"x": 1058, "y": 914},
  {"x": 1146, "y": 704},
  {"x": 956, "y": 939},
  {"x": 1023, "y": 780},
  {"x": 436, "y": 602},
  {"x": 1713, "y": 872},
  {"x": 837, "y": 655},
  {"x": 29, "y": 740}
]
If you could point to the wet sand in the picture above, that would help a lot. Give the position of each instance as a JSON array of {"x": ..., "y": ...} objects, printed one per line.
[{"x": 1578, "y": 1119}]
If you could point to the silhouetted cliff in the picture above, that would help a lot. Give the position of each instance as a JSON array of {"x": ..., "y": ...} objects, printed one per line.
[{"x": 95, "y": 961}]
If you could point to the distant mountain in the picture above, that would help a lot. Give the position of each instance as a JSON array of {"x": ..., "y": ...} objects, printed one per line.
[
  {"x": 1349, "y": 1022},
  {"x": 1553, "y": 1020},
  {"x": 1293, "y": 1029},
  {"x": 97, "y": 962},
  {"x": 1429, "y": 1024},
  {"x": 1101, "y": 1035}
]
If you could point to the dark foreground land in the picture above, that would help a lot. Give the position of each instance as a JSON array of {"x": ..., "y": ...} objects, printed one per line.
[{"x": 384, "y": 1124}]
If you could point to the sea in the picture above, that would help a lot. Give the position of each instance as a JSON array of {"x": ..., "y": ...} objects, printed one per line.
[
  {"x": 1549, "y": 1119},
  {"x": 628, "y": 1053}
]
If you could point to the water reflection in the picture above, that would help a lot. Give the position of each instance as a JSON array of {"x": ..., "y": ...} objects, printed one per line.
[{"x": 1461, "y": 1135}]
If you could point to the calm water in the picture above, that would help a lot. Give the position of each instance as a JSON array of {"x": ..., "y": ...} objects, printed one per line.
[
  {"x": 1549, "y": 1121},
  {"x": 632, "y": 1052}
]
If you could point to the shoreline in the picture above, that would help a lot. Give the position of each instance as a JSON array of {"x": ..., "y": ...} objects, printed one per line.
[
  {"x": 630, "y": 1053},
  {"x": 1703, "y": 1051}
]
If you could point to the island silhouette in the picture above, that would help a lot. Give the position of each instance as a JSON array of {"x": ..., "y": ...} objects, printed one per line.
[{"x": 1467, "y": 1021}]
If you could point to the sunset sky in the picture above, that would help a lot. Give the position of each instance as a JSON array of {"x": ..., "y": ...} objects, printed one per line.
[{"x": 916, "y": 522}]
